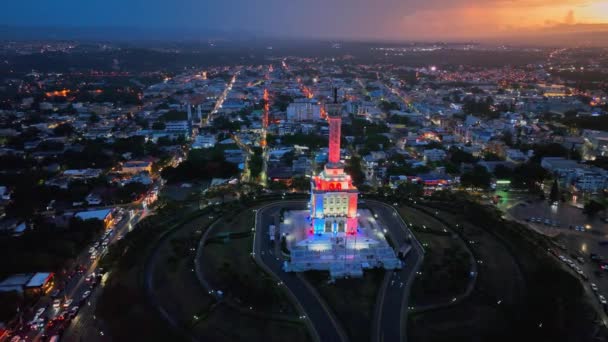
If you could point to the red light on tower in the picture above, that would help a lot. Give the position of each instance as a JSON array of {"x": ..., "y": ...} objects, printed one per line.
[
  {"x": 334, "y": 139},
  {"x": 335, "y": 121}
]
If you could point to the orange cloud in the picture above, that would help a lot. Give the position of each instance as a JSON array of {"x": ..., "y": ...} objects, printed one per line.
[{"x": 502, "y": 18}]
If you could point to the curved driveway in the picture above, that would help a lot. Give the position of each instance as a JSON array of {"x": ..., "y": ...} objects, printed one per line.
[
  {"x": 390, "y": 319},
  {"x": 322, "y": 323}
]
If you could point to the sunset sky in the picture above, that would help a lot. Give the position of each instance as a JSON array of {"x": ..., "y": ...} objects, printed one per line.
[{"x": 353, "y": 19}]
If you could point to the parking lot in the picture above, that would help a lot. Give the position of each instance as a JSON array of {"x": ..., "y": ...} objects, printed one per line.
[{"x": 582, "y": 241}]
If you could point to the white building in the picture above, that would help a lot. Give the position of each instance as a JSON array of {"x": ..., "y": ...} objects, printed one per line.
[
  {"x": 580, "y": 176},
  {"x": 434, "y": 155},
  {"x": 176, "y": 126},
  {"x": 4, "y": 193},
  {"x": 590, "y": 179},
  {"x": 304, "y": 110},
  {"x": 204, "y": 141},
  {"x": 516, "y": 156},
  {"x": 559, "y": 166}
]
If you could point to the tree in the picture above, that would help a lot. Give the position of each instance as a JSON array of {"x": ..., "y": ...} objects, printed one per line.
[
  {"x": 94, "y": 118},
  {"x": 353, "y": 168},
  {"x": 174, "y": 115},
  {"x": 64, "y": 129},
  {"x": 374, "y": 142},
  {"x": 159, "y": 125},
  {"x": 483, "y": 107},
  {"x": 503, "y": 172},
  {"x": 507, "y": 137},
  {"x": 256, "y": 163},
  {"x": 408, "y": 189},
  {"x": 479, "y": 177},
  {"x": 130, "y": 192},
  {"x": 593, "y": 207},
  {"x": 202, "y": 164},
  {"x": 527, "y": 175},
  {"x": 458, "y": 156},
  {"x": 223, "y": 123},
  {"x": 549, "y": 150},
  {"x": 554, "y": 195},
  {"x": 300, "y": 183},
  {"x": 386, "y": 106},
  {"x": 277, "y": 186},
  {"x": 11, "y": 301},
  {"x": 491, "y": 156},
  {"x": 399, "y": 119},
  {"x": 600, "y": 161}
]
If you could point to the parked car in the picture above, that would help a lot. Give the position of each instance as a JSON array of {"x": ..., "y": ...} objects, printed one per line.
[
  {"x": 67, "y": 303},
  {"x": 40, "y": 312}
]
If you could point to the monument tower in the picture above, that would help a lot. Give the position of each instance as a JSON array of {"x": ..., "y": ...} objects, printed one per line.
[{"x": 333, "y": 208}]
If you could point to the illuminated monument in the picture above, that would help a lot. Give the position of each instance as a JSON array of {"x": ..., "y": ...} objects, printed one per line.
[
  {"x": 334, "y": 235},
  {"x": 333, "y": 200}
]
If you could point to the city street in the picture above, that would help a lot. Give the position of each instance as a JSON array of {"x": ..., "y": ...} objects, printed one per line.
[
  {"x": 391, "y": 317},
  {"x": 85, "y": 320},
  {"x": 77, "y": 289}
]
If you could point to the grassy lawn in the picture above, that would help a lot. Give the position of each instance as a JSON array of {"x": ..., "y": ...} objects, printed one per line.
[
  {"x": 229, "y": 267},
  {"x": 181, "y": 295},
  {"x": 352, "y": 300},
  {"x": 498, "y": 279},
  {"x": 518, "y": 287},
  {"x": 446, "y": 267},
  {"x": 123, "y": 298},
  {"x": 176, "y": 286},
  {"x": 226, "y": 324}
]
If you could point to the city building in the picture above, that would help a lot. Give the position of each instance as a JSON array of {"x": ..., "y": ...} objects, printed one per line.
[
  {"x": 304, "y": 110},
  {"x": 137, "y": 166},
  {"x": 204, "y": 141},
  {"x": 29, "y": 283},
  {"x": 104, "y": 215},
  {"x": 434, "y": 155},
  {"x": 580, "y": 177}
]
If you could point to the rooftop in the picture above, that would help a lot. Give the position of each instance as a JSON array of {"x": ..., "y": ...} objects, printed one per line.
[{"x": 94, "y": 214}]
